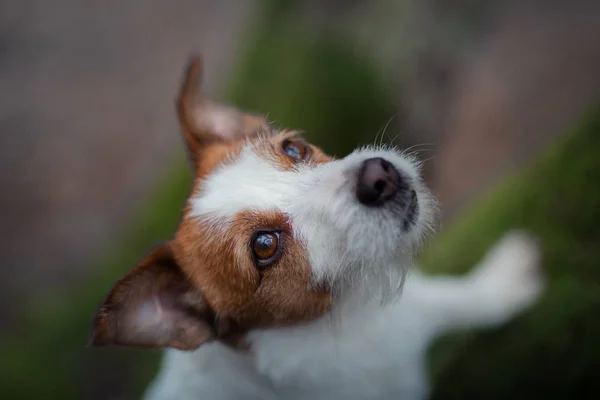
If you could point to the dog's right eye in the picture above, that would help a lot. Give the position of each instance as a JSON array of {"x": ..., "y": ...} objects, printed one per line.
[{"x": 265, "y": 247}]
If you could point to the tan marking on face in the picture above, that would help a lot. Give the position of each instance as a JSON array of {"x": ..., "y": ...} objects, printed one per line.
[
  {"x": 220, "y": 263},
  {"x": 215, "y": 155},
  {"x": 271, "y": 149},
  {"x": 204, "y": 285},
  {"x": 219, "y": 259}
]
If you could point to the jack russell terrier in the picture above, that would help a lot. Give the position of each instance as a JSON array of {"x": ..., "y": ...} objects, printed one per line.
[{"x": 291, "y": 274}]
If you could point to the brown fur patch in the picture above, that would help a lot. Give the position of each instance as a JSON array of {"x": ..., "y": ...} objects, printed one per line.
[
  {"x": 204, "y": 285},
  {"x": 219, "y": 262},
  {"x": 154, "y": 305},
  {"x": 218, "y": 259},
  {"x": 204, "y": 122},
  {"x": 270, "y": 148}
]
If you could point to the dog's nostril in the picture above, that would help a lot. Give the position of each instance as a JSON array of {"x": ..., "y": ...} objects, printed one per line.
[
  {"x": 385, "y": 165},
  {"x": 377, "y": 182}
]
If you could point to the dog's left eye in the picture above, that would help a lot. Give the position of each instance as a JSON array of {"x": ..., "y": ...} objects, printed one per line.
[
  {"x": 295, "y": 149},
  {"x": 265, "y": 247}
]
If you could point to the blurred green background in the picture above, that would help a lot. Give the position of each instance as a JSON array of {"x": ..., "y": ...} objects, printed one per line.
[{"x": 501, "y": 99}]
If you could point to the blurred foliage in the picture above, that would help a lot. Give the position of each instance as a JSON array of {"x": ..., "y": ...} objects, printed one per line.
[
  {"x": 552, "y": 350},
  {"x": 318, "y": 84},
  {"x": 50, "y": 358}
]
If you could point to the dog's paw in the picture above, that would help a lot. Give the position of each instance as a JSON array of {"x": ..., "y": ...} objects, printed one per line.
[{"x": 510, "y": 278}]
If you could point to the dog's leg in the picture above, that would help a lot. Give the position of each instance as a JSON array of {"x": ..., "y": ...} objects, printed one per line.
[{"x": 507, "y": 281}]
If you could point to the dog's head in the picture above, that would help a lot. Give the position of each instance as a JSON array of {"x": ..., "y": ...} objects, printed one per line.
[{"x": 275, "y": 232}]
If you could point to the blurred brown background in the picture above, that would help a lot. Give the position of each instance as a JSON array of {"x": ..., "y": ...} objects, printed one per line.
[{"x": 87, "y": 124}]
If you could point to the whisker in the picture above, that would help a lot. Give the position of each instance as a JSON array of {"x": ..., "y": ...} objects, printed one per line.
[
  {"x": 392, "y": 140},
  {"x": 420, "y": 144},
  {"x": 427, "y": 159},
  {"x": 378, "y": 141},
  {"x": 376, "y": 136},
  {"x": 385, "y": 128},
  {"x": 379, "y": 132},
  {"x": 417, "y": 153}
]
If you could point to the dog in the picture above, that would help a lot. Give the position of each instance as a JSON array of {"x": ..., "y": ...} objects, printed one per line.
[{"x": 291, "y": 276}]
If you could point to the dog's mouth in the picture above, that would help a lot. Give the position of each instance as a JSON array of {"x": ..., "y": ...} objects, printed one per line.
[{"x": 412, "y": 211}]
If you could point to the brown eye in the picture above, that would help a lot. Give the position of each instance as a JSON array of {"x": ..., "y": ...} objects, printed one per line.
[
  {"x": 265, "y": 246},
  {"x": 295, "y": 149}
]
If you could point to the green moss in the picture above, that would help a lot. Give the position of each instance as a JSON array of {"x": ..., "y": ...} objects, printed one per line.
[
  {"x": 321, "y": 85},
  {"x": 51, "y": 357},
  {"x": 551, "y": 350}
]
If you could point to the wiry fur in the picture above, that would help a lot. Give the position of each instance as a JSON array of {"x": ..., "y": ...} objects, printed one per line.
[
  {"x": 341, "y": 314},
  {"x": 368, "y": 351},
  {"x": 372, "y": 344}
]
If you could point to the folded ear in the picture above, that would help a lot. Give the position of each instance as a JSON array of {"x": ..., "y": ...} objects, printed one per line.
[
  {"x": 154, "y": 305},
  {"x": 204, "y": 121}
]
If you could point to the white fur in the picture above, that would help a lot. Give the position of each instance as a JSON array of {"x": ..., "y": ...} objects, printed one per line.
[
  {"x": 347, "y": 242},
  {"x": 365, "y": 348}
]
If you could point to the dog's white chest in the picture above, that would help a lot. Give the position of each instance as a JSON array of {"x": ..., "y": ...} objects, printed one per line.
[{"x": 378, "y": 354}]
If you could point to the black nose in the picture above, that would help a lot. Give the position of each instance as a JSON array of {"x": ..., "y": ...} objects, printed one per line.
[{"x": 378, "y": 182}]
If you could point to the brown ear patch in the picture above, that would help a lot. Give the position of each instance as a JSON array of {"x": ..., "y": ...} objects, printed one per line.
[
  {"x": 203, "y": 285},
  {"x": 154, "y": 305},
  {"x": 204, "y": 122}
]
